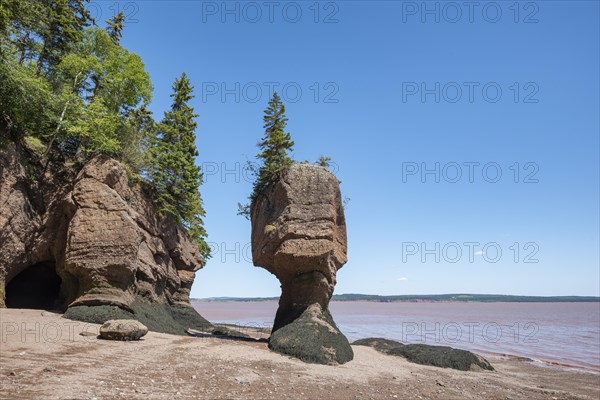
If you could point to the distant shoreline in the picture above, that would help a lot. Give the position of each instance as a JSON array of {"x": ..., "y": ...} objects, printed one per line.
[{"x": 438, "y": 298}]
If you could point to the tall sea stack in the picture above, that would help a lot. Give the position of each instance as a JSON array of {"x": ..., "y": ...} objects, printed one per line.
[{"x": 299, "y": 235}]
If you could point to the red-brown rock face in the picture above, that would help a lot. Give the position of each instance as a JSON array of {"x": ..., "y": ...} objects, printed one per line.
[{"x": 100, "y": 234}]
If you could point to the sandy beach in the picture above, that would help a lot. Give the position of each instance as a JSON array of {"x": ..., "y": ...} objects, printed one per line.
[{"x": 45, "y": 356}]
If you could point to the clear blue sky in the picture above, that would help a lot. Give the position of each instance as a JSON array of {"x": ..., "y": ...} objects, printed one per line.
[{"x": 376, "y": 65}]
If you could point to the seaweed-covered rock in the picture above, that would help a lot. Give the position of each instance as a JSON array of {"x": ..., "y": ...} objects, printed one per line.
[
  {"x": 312, "y": 337},
  {"x": 174, "y": 319},
  {"x": 299, "y": 235},
  {"x": 437, "y": 356}
]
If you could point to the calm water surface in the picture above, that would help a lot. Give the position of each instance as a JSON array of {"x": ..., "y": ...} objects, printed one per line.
[{"x": 563, "y": 333}]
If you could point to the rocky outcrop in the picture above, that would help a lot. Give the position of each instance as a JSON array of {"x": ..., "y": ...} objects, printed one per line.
[
  {"x": 437, "y": 356},
  {"x": 101, "y": 236},
  {"x": 299, "y": 235},
  {"x": 19, "y": 222}
]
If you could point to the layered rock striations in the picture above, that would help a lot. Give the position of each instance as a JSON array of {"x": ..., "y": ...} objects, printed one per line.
[
  {"x": 299, "y": 235},
  {"x": 99, "y": 239}
]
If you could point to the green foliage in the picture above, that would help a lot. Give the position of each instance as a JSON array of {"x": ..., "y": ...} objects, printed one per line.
[
  {"x": 115, "y": 26},
  {"x": 97, "y": 129},
  {"x": 102, "y": 122},
  {"x": 173, "y": 172},
  {"x": 274, "y": 146},
  {"x": 62, "y": 27},
  {"x": 22, "y": 25},
  {"x": 323, "y": 161},
  {"x": 51, "y": 37},
  {"x": 120, "y": 76},
  {"x": 135, "y": 136},
  {"x": 8, "y": 10},
  {"x": 244, "y": 210},
  {"x": 35, "y": 145},
  {"x": 71, "y": 87},
  {"x": 6, "y": 14},
  {"x": 27, "y": 105}
]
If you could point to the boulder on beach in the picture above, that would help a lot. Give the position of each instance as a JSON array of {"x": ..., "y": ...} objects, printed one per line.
[
  {"x": 123, "y": 329},
  {"x": 437, "y": 356},
  {"x": 299, "y": 235},
  {"x": 88, "y": 242}
]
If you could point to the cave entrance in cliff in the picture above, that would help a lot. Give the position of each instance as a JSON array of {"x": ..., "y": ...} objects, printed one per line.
[{"x": 36, "y": 287}]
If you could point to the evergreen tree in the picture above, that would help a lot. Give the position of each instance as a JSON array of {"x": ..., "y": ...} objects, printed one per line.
[
  {"x": 274, "y": 145},
  {"x": 18, "y": 22},
  {"x": 115, "y": 27},
  {"x": 65, "y": 21},
  {"x": 173, "y": 172}
]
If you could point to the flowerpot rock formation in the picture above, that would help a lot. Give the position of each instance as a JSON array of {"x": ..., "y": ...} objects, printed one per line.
[{"x": 299, "y": 235}]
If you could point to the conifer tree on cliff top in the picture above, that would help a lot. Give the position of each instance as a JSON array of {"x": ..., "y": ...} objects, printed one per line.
[
  {"x": 275, "y": 145},
  {"x": 115, "y": 27},
  {"x": 173, "y": 171}
]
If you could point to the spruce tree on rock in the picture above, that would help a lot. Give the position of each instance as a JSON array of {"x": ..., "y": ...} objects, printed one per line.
[
  {"x": 275, "y": 145},
  {"x": 173, "y": 172}
]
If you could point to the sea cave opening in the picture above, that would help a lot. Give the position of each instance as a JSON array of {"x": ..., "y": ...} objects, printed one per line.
[{"x": 36, "y": 287}]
